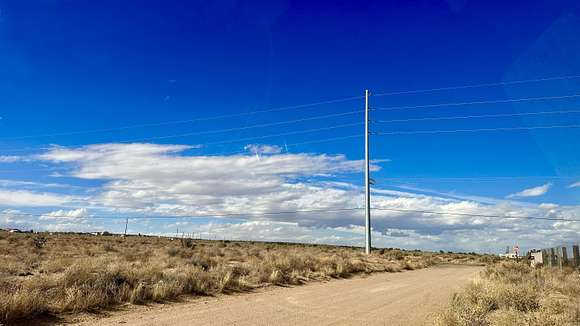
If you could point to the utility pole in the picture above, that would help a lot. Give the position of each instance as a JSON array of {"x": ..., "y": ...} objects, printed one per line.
[
  {"x": 126, "y": 224},
  {"x": 367, "y": 179}
]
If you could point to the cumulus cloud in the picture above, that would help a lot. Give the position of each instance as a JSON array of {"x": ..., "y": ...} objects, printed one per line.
[
  {"x": 66, "y": 214},
  {"x": 29, "y": 198},
  {"x": 396, "y": 233},
  {"x": 532, "y": 192},
  {"x": 13, "y": 218},
  {"x": 151, "y": 179},
  {"x": 548, "y": 206},
  {"x": 75, "y": 220}
]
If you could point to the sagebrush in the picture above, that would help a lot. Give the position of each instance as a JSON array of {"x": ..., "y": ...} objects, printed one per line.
[
  {"x": 513, "y": 294},
  {"x": 63, "y": 273}
]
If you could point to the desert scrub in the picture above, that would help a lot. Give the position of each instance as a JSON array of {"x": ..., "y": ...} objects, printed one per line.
[
  {"x": 512, "y": 293},
  {"x": 68, "y": 273}
]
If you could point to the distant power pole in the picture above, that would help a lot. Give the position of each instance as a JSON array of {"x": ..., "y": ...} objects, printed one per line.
[
  {"x": 367, "y": 179},
  {"x": 126, "y": 224}
]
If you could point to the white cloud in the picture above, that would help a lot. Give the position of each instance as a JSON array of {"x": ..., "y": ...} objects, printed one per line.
[
  {"x": 29, "y": 198},
  {"x": 532, "y": 192},
  {"x": 263, "y": 149},
  {"x": 575, "y": 185},
  {"x": 20, "y": 184},
  {"x": 66, "y": 214},
  {"x": 11, "y": 159},
  {"x": 61, "y": 220},
  {"x": 548, "y": 206},
  {"x": 149, "y": 179},
  {"x": 12, "y": 217}
]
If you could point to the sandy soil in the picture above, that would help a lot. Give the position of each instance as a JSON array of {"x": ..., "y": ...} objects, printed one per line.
[{"x": 408, "y": 298}]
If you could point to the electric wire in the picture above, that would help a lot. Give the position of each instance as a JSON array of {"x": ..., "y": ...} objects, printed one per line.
[
  {"x": 476, "y": 215},
  {"x": 243, "y": 128},
  {"x": 524, "y": 99},
  {"x": 418, "y": 132},
  {"x": 203, "y": 145},
  {"x": 48, "y": 215},
  {"x": 514, "y": 82},
  {"x": 284, "y": 108},
  {"x": 481, "y": 178},
  {"x": 501, "y": 115},
  {"x": 217, "y": 117}
]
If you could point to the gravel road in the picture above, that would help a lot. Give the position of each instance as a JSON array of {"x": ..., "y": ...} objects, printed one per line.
[{"x": 407, "y": 298}]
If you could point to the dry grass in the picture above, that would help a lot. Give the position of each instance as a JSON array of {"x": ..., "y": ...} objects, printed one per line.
[
  {"x": 511, "y": 294},
  {"x": 68, "y": 273}
]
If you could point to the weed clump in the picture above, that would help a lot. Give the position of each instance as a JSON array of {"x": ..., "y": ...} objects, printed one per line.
[
  {"x": 63, "y": 273},
  {"x": 512, "y": 293}
]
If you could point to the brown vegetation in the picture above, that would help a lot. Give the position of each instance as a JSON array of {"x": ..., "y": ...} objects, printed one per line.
[
  {"x": 62, "y": 273},
  {"x": 512, "y": 294}
]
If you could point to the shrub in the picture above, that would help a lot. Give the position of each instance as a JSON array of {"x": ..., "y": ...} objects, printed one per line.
[
  {"x": 512, "y": 293},
  {"x": 72, "y": 274}
]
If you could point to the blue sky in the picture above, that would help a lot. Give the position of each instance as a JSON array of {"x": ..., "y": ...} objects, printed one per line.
[{"x": 71, "y": 66}]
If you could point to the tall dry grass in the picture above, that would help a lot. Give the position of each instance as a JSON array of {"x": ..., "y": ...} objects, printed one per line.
[
  {"x": 513, "y": 294},
  {"x": 68, "y": 273}
]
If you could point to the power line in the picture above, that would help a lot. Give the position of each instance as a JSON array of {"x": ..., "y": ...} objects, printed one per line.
[
  {"x": 323, "y": 140},
  {"x": 284, "y": 134},
  {"x": 482, "y": 178},
  {"x": 351, "y": 112},
  {"x": 326, "y": 140},
  {"x": 188, "y": 216},
  {"x": 216, "y": 131},
  {"x": 262, "y": 125},
  {"x": 478, "y": 116},
  {"x": 283, "y": 108},
  {"x": 203, "y": 145},
  {"x": 477, "y": 85},
  {"x": 302, "y": 211},
  {"x": 217, "y": 117},
  {"x": 476, "y": 215},
  {"x": 525, "y": 99},
  {"x": 417, "y": 132}
]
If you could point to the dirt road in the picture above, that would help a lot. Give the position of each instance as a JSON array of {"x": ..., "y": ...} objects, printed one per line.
[{"x": 408, "y": 298}]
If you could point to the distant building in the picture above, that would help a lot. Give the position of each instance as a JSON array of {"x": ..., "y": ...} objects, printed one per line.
[
  {"x": 511, "y": 255},
  {"x": 102, "y": 233},
  {"x": 19, "y": 231}
]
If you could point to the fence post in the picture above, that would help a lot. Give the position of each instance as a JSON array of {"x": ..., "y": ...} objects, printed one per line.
[
  {"x": 564, "y": 252},
  {"x": 576, "y": 253},
  {"x": 553, "y": 257}
]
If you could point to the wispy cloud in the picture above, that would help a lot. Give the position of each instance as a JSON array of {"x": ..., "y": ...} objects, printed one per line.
[
  {"x": 532, "y": 192},
  {"x": 263, "y": 149},
  {"x": 575, "y": 185},
  {"x": 13, "y": 159}
]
